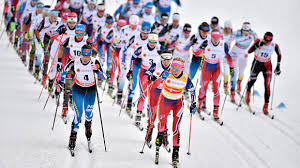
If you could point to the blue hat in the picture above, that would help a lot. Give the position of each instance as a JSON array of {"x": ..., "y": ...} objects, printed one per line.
[
  {"x": 54, "y": 13},
  {"x": 146, "y": 27},
  {"x": 109, "y": 19},
  {"x": 86, "y": 51},
  {"x": 149, "y": 5},
  {"x": 136, "y": 1},
  {"x": 80, "y": 27}
]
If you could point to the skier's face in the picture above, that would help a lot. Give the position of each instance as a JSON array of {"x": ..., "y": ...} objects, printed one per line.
[
  {"x": 148, "y": 10},
  {"x": 245, "y": 32},
  {"x": 166, "y": 62},
  {"x": 144, "y": 35},
  {"x": 39, "y": 10},
  {"x": 79, "y": 35},
  {"x": 91, "y": 6},
  {"x": 133, "y": 27},
  {"x": 176, "y": 71},
  {"x": 85, "y": 59},
  {"x": 186, "y": 34},
  {"x": 152, "y": 45},
  {"x": 175, "y": 22},
  {"x": 164, "y": 21},
  {"x": 215, "y": 40},
  {"x": 100, "y": 13},
  {"x": 108, "y": 25},
  {"x": 53, "y": 19},
  {"x": 71, "y": 25},
  {"x": 227, "y": 30}
]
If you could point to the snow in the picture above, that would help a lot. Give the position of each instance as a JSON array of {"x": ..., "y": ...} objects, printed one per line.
[{"x": 244, "y": 140}]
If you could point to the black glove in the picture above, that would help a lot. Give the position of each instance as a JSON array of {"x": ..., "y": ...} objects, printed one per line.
[
  {"x": 152, "y": 77},
  {"x": 277, "y": 70},
  {"x": 193, "y": 39},
  {"x": 204, "y": 44},
  {"x": 129, "y": 75},
  {"x": 261, "y": 43},
  {"x": 62, "y": 30},
  {"x": 193, "y": 107},
  {"x": 58, "y": 66},
  {"x": 231, "y": 72}
]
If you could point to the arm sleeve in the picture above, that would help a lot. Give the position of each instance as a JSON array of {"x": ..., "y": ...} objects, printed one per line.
[
  {"x": 228, "y": 56},
  {"x": 278, "y": 52},
  {"x": 99, "y": 71},
  {"x": 254, "y": 46},
  {"x": 191, "y": 89},
  {"x": 136, "y": 53}
]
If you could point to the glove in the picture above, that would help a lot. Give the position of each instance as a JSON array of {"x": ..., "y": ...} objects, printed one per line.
[
  {"x": 277, "y": 70},
  {"x": 58, "y": 66},
  {"x": 231, "y": 72},
  {"x": 261, "y": 43},
  {"x": 193, "y": 108},
  {"x": 152, "y": 78},
  {"x": 165, "y": 74},
  {"x": 129, "y": 75},
  {"x": 26, "y": 36},
  {"x": 204, "y": 44},
  {"x": 62, "y": 30},
  {"x": 41, "y": 44}
]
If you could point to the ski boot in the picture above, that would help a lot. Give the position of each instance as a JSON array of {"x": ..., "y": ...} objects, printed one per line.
[
  {"x": 30, "y": 67},
  {"x": 64, "y": 112},
  {"x": 149, "y": 137},
  {"x": 226, "y": 88},
  {"x": 72, "y": 142},
  {"x": 128, "y": 108},
  {"x": 23, "y": 58},
  {"x": 199, "y": 109},
  {"x": 137, "y": 121},
  {"x": 110, "y": 89},
  {"x": 158, "y": 143},
  {"x": 50, "y": 85},
  {"x": 238, "y": 90},
  {"x": 119, "y": 98},
  {"x": 175, "y": 156},
  {"x": 100, "y": 83},
  {"x": 36, "y": 72},
  {"x": 216, "y": 112},
  {"x": 232, "y": 96},
  {"x": 88, "y": 133},
  {"x": 265, "y": 108},
  {"x": 165, "y": 141},
  {"x": 248, "y": 95},
  {"x": 204, "y": 104}
]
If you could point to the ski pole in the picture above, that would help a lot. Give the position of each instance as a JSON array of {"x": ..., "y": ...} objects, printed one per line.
[
  {"x": 242, "y": 96},
  {"x": 223, "y": 104},
  {"x": 56, "y": 53},
  {"x": 55, "y": 113},
  {"x": 50, "y": 92},
  {"x": 190, "y": 134},
  {"x": 100, "y": 114},
  {"x": 155, "y": 113},
  {"x": 126, "y": 95},
  {"x": 273, "y": 92}
]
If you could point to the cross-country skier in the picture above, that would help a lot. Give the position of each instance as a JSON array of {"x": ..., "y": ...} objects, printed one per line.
[
  {"x": 82, "y": 70},
  {"x": 88, "y": 12},
  {"x": 214, "y": 51},
  {"x": 98, "y": 19},
  {"x": 136, "y": 43},
  {"x": 157, "y": 74},
  {"x": 147, "y": 15},
  {"x": 174, "y": 30},
  {"x": 239, "y": 52},
  {"x": 228, "y": 37},
  {"x": 149, "y": 57},
  {"x": 263, "y": 49},
  {"x": 161, "y": 28},
  {"x": 197, "y": 40},
  {"x": 171, "y": 99}
]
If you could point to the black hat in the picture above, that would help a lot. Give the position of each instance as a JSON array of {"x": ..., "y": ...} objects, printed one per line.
[{"x": 214, "y": 20}]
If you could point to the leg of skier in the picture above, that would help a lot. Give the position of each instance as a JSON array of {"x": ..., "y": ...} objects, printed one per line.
[
  {"x": 216, "y": 78},
  {"x": 235, "y": 75},
  {"x": 267, "y": 72}
]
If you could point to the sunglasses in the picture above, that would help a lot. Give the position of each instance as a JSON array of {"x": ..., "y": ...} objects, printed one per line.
[
  {"x": 79, "y": 34},
  {"x": 177, "y": 70},
  {"x": 152, "y": 42}
]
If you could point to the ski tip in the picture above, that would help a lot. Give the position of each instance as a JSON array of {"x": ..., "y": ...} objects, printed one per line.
[
  {"x": 141, "y": 152},
  {"x": 188, "y": 153}
]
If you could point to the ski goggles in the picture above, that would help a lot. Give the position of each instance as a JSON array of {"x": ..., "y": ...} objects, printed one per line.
[
  {"x": 80, "y": 34},
  {"x": 86, "y": 51},
  {"x": 101, "y": 8},
  {"x": 164, "y": 18},
  {"x": 177, "y": 63},
  {"x": 152, "y": 41}
]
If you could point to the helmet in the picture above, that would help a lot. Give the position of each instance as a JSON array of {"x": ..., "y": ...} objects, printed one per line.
[
  {"x": 166, "y": 55},
  {"x": 134, "y": 20},
  {"x": 146, "y": 27},
  {"x": 54, "y": 13},
  {"x": 164, "y": 16},
  {"x": 122, "y": 22},
  {"x": 72, "y": 17},
  {"x": 79, "y": 28},
  {"x": 214, "y": 20},
  {"x": 204, "y": 27},
  {"x": 40, "y": 5},
  {"x": 268, "y": 36},
  {"x": 101, "y": 7},
  {"x": 246, "y": 26},
  {"x": 187, "y": 28},
  {"x": 176, "y": 16},
  {"x": 153, "y": 38},
  {"x": 216, "y": 33},
  {"x": 227, "y": 24},
  {"x": 109, "y": 19}
]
